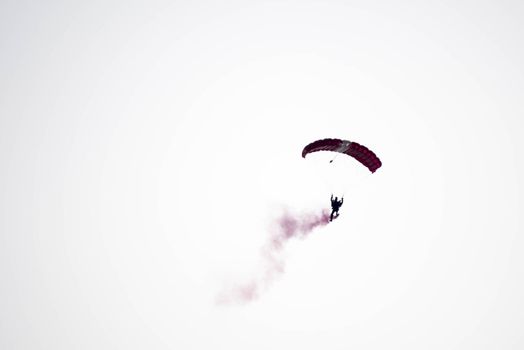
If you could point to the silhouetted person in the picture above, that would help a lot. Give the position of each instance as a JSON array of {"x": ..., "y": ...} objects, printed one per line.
[{"x": 335, "y": 206}]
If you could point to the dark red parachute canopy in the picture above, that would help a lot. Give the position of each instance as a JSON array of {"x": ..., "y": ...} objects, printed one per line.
[{"x": 353, "y": 149}]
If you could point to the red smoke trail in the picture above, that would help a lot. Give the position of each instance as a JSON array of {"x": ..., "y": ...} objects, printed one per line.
[{"x": 286, "y": 226}]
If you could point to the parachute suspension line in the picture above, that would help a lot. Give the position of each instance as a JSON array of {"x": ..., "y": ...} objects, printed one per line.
[{"x": 335, "y": 157}]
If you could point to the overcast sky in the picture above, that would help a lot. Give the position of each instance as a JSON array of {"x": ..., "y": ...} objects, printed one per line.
[{"x": 146, "y": 148}]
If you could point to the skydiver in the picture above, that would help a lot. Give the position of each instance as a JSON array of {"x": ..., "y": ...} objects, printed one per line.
[{"x": 335, "y": 206}]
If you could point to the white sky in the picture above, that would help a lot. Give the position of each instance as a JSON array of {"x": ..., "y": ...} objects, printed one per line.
[{"x": 146, "y": 146}]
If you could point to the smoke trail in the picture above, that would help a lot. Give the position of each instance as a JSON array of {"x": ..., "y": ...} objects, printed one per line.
[{"x": 286, "y": 227}]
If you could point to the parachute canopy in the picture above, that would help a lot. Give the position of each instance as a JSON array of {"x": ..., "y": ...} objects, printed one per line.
[{"x": 353, "y": 149}]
